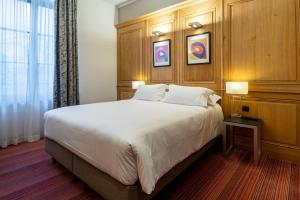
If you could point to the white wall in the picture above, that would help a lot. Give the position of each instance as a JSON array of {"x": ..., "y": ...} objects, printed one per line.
[
  {"x": 142, "y": 7},
  {"x": 97, "y": 51}
]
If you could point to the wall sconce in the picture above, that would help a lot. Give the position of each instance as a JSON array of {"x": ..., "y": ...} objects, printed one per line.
[
  {"x": 195, "y": 25},
  {"x": 158, "y": 33}
]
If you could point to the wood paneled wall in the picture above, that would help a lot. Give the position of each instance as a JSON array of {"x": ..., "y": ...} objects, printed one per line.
[
  {"x": 209, "y": 14},
  {"x": 252, "y": 40},
  {"x": 262, "y": 43},
  {"x": 131, "y": 54},
  {"x": 167, "y": 24}
]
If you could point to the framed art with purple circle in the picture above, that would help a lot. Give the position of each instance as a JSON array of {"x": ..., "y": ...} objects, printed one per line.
[
  {"x": 198, "y": 49},
  {"x": 162, "y": 53}
]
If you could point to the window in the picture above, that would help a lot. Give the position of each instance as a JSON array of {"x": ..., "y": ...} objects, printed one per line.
[
  {"x": 26, "y": 68},
  {"x": 26, "y": 49}
]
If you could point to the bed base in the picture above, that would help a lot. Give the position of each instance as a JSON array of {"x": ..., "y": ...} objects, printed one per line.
[{"x": 105, "y": 185}]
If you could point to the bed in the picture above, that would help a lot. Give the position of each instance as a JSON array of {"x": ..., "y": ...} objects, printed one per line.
[{"x": 130, "y": 149}]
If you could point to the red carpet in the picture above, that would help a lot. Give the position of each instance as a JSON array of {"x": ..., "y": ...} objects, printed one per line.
[{"x": 26, "y": 172}]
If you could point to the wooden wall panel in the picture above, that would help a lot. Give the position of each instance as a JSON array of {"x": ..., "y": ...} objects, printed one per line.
[
  {"x": 277, "y": 32},
  {"x": 262, "y": 43},
  {"x": 203, "y": 72},
  {"x": 242, "y": 41},
  {"x": 209, "y": 15},
  {"x": 165, "y": 23},
  {"x": 281, "y": 123},
  {"x": 125, "y": 93},
  {"x": 131, "y": 53},
  {"x": 283, "y": 127},
  {"x": 279, "y": 118}
]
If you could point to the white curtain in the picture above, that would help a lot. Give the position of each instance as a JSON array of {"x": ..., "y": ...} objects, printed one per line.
[{"x": 26, "y": 68}]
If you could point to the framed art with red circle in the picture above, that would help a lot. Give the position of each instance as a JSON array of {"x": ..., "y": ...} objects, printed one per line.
[{"x": 198, "y": 49}]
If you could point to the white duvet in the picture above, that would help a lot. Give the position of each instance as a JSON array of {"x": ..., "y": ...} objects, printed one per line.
[{"x": 133, "y": 139}]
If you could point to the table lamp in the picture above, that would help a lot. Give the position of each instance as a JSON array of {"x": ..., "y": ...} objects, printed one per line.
[
  {"x": 136, "y": 84},
  {"x": 237, "y": 88}
]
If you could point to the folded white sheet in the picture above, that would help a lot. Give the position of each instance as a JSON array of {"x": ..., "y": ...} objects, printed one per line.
[{"x": 133, "y": 139}]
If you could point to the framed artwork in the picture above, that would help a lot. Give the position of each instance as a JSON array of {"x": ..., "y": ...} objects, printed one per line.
[
  {"x": 162, "y": 53},
  {"x": 198, "y": 49}
]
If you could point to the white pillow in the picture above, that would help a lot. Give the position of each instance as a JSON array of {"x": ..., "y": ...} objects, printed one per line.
[
  {"x": 154, "y": 92},
  {"x": 213, "y": 99},
  {"x": 192, "y": 96}
]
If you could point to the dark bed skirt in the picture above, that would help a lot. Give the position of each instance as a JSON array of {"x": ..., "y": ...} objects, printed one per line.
[{"x": 105, "y": 185}]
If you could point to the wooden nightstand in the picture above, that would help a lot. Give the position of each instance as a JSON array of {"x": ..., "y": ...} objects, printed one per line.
[{"x": 254, "y": 124}]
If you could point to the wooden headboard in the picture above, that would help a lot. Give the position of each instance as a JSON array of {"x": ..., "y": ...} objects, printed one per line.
[{"x": 252, "y": 40}]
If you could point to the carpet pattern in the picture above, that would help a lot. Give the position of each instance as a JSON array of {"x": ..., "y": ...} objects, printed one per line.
[{"x": 27, "y": 172}]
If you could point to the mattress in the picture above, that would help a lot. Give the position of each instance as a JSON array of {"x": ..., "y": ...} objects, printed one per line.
[{"x": 134, "y": 140}]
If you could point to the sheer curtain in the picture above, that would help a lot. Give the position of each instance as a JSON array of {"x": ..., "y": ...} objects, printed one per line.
[{"x": 26, "y": 68}]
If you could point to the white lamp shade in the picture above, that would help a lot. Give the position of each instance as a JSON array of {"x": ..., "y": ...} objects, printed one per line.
[
  {"x": 136, "y": 84},
  {"x": 236, "y": 87}
]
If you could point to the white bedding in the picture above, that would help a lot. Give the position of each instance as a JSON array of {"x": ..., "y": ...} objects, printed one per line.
[{"x": 133, "y": 139}]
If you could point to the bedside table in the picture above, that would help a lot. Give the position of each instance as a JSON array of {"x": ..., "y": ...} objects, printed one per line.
[{"x": 254, "y": 124}]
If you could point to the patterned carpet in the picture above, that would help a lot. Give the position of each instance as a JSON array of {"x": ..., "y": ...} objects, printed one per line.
[{"x": 26, "y": 172}]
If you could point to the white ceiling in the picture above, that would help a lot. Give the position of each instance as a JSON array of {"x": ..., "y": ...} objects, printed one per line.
[
  {"x": 116, "y": 2},
  {"x": 120, "y": 3}
]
